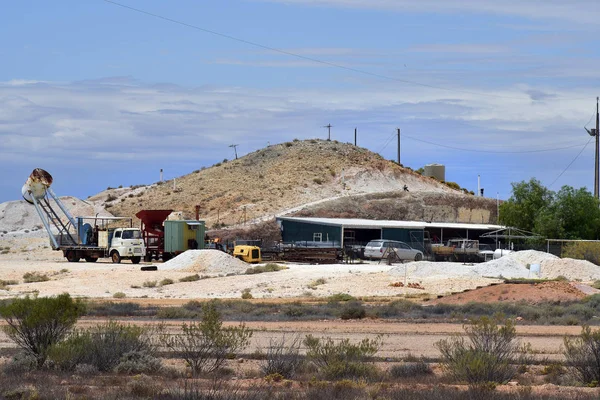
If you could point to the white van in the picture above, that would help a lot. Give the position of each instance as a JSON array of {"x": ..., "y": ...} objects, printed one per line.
[{"x": 381, "y": 248}]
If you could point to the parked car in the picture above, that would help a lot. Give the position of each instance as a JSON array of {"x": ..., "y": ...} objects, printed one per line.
[{"x": 382, "y": 248}]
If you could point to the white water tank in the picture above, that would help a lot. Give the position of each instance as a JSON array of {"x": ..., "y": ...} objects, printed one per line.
[{"x": 437, "y": 171}]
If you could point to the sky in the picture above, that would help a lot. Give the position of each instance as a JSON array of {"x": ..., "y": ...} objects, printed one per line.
[{"x": 102, "y": 93}]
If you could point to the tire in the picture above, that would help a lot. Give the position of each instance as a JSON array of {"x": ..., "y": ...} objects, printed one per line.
[
  {"x": 136, "y": 260},
  {"x": 148, "y": 257},
  {"x": 418, "y": 257},
  {"x": 166, "y": 257},
  {"x": 91, "y": 259},
  {"x": 116, "y": 257},
  {"x": 72, "y": 256}
]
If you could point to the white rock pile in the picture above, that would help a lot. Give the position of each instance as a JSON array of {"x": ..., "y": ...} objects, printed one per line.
[
  {"x": 206, "y": 262},
  {"x": 513, "y": 265}
]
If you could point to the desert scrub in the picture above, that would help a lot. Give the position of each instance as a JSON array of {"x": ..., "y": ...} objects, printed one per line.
[
  {"x": 37, "y": 324},
  {"x": 119, "y": 295},
  {"x": 166, "y": 281},
  {"x": 190, "y": 278},
  {"x": 246, "y": 295},
  {"x": 491, "y": 354},
  {"x": 5, "y": 283},
  {"x": 582, "y": 355},
  {"x": 270, "y": 267},
  {"x": 282, "y": 358},
  {"x": 31, "y": 277},
  {"x": 410, "y": 370},
  {"x": 149, "y": 284},
  {"x": 342, "y": 359},
  {"x": 205, "y": 346},
  {"x": 317, "y": 282},
  {"x": 104, "y": 346}
]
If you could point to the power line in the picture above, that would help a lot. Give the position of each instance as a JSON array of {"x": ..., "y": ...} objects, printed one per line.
[
  {"x": 492, "y": 151},
  {"x": 386, "y": 143},
  {"x": 315, "y": 60},
  {"x": 571, "y": 163}
]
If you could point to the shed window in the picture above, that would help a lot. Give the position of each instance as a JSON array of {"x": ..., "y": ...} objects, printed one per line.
[{"x": 317, "y": 237}]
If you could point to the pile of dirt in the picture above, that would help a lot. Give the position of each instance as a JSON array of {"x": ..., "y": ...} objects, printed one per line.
[
  {"x": 206, "y": 262},
  {"x": 509, "y": 292}
]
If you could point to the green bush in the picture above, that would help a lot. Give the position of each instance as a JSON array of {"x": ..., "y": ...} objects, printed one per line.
[
  {"x": 102, "y": 346},
  {"x": 270, "y": 267},
  {"x": 204, "y": 346},
  {"x": 589, "y": 251},
  {"x": 149, "y": 284},
  {"x": 340, "y": 297},
  {"x": 582, "y": 355},
  {"x": 490, "y": 356},
  {"x": 353, "y": 310},
  {"x": 36, "y": 324},
  {"x": 166, "y": 281},
  {"x": 343, "y": 360},
  {"x": 119, "y": 295}
]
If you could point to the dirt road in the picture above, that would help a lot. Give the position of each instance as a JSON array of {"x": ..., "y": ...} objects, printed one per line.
[{"x": 399, "y": 339}]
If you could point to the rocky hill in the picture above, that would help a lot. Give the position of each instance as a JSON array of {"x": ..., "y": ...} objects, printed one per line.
[{"x": 279, "y": 179}]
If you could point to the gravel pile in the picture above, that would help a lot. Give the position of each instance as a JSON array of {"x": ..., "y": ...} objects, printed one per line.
[
  {"x": 207, "y": 262},
  {"x": 570, "y": 269},
  {"x": 513, "y": 265},
  {"x": 433, "y": 270}
]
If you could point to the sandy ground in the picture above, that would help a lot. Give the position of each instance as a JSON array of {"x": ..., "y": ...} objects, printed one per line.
[{"x": 104, "y": 279}]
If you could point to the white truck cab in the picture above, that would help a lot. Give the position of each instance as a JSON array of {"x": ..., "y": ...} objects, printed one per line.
[{"x": 127, "y": 243}]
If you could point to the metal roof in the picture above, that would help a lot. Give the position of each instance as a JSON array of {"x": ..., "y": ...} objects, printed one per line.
[{"x": 378, "y": 224}]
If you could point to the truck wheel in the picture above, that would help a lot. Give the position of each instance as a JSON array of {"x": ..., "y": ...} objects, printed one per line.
[
  {"x": 136, "y": 260},
  {"x": 418, "y": 257},
  {"x": 148, "y": 257},
  {"x": 72, "y": 256},
  {"x": 166, "y": 257},
  {"x": 116, "y": 258},
  {"x": 91, "y": 259}
]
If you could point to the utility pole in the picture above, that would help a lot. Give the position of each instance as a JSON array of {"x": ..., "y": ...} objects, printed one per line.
[
  {"x": 594, "y": 132},
  {"x": 355, "y": 136},
  {"x": 328, "y": 126},
  {"x": 398, "y": 145},
  {"x": 597, "y": 181},
  {"x": 234, "y": 149}
]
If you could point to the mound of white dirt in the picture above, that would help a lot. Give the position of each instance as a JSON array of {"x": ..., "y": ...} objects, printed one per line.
[
  {"x": 206, "y": 262},
  {"x": 570, "y": 269}
]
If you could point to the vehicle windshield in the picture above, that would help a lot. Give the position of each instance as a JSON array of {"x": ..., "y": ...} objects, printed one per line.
[{"x": 131, "y": 234}]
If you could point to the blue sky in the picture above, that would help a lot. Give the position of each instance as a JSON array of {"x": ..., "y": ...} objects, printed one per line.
[{"x": 101, "y": 95}]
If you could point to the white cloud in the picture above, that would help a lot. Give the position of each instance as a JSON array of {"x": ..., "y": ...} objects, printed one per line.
[{"x": 579, "y": 11}]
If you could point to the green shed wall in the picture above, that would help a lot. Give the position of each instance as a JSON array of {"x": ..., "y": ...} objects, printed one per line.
[
  {"x": 176, "y": 236},
  {"x": 413, "y": 237},
  {"x": 294, "y": 231}
]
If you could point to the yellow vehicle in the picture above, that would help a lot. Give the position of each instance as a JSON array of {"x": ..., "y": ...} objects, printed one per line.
[{"x": 247, "y": 253}]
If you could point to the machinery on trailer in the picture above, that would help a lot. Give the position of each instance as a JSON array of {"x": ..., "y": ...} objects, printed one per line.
[
  {"x": 89, "y": 238},
  {"x": 167, "y": 238}
]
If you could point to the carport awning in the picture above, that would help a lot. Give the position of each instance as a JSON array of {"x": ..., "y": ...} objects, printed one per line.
[{"x": 351, "y": 223}]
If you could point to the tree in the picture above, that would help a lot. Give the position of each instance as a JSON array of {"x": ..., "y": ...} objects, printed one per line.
[
  {"x": 569, "y": 214},
  {"x": 527, "y": 200},
  {"x": 36, "y": 324}
]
